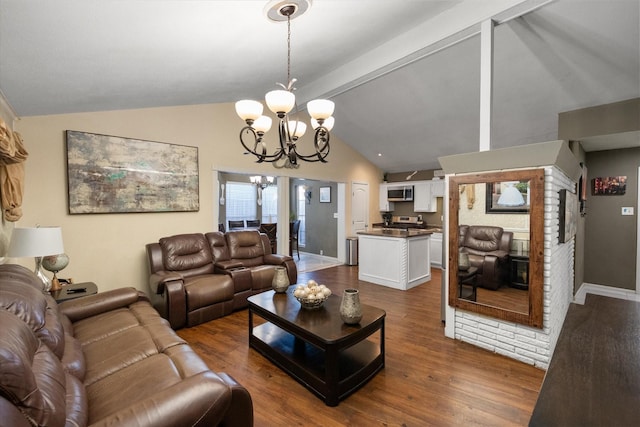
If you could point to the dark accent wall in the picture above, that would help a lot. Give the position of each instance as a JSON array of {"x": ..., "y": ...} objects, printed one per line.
[
  {"x": 610, "y": 238},
  {"x": 321, "y": 227}
]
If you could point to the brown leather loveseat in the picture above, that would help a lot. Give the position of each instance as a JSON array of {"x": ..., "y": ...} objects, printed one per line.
[
  {"x": 104, "y": 359},
  {"x": 488, "y": 248},
  {"x": 195, "y": 278}
]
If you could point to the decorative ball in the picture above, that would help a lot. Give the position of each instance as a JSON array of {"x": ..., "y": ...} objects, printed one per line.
[
  {"x": 55, "y": 263},
  {"x": 312, "y": 295}
]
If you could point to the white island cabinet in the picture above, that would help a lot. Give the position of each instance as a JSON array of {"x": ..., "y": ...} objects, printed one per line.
[{"x": 398, "y": 259}]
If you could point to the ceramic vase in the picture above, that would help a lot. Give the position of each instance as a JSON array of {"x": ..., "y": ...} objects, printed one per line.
[
  {"x": 350, "y": 307},
  {"x": 280, "y": 281}
]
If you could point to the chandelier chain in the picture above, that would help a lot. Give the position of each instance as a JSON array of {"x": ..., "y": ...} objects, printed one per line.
[{"x": 288, "y": 49}]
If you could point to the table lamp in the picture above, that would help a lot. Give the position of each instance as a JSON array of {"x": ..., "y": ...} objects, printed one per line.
[{"x": 36, "y": 242}]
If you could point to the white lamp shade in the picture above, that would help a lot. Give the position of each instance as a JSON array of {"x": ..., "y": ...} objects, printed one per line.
[
  {"x": 262, "y": 124},
  {"x": 320, "y": 109},
  {"x": 511, "y": 197},
  {"x": 249, "y": 109},
  {"x": 328, "y": 123},
  {"x": 36, "y": 242},
  {"x": 297, "y": 128},
  {"x": 280, "y": 101}
]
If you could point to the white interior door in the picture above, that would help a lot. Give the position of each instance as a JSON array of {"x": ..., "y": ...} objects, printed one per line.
[{"x": 359, "y": 206}]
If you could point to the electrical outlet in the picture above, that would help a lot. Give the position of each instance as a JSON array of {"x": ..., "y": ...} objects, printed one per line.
[{"x": 627, "y": 211}]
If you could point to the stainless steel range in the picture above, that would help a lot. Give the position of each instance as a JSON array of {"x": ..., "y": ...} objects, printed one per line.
[
  {"x": 405, "y": 219},
  {"x": 406, "y": 222}
]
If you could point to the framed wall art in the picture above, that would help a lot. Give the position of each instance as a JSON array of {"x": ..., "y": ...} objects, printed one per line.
[
  {"x": 609, "y": 186},
  {"x": 325, "y": 194},
  {"x": 507, "y": 197},
  {"x": 568, "y": 216},
  {"x": 112, "y": 174}
]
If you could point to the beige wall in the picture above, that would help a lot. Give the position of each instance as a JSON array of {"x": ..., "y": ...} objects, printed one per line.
[{"x": 109, "y": 248}]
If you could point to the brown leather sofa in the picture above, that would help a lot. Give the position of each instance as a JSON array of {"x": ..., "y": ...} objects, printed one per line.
[
  {"x": 488, "y": 248},
  {"x": 104, "y": 359},
  {"x": 195, "y": 278}
]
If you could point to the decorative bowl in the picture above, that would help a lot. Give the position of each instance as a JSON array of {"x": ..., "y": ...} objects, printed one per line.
[
  {"x": 311, "y": 304},
  {"x": 312, "y": 295}
]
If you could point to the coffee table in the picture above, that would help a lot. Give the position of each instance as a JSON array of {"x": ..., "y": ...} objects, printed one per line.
[{"x": 315, "y": 347}]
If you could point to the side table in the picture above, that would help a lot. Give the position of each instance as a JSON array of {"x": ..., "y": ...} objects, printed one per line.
[
  {"x": 519, "y": 270},
  {"x": 468, "y": 278},
  {"x": 76, "y": 290}
]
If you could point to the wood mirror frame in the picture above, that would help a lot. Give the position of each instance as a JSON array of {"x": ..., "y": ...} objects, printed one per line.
[{"x": 534, "y": 317}]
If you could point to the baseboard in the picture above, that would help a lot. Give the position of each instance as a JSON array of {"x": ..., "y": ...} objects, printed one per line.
[{"x": 607, "y": 291}]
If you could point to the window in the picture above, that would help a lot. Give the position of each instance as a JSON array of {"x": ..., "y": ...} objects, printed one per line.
[
  {"x": 270, "y": 204},
  {"x": 301, "y": 209},
  {"x": 241, "y": 201}
]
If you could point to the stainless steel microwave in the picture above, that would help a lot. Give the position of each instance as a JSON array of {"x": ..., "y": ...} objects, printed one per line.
[{"x": 403, "y": 193}]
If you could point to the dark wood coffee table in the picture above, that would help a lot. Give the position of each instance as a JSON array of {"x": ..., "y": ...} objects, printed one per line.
[{"x": 329, "y": 357}]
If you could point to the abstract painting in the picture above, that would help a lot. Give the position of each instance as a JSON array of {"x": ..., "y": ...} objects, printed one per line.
[{"x": 111, "y": 174}]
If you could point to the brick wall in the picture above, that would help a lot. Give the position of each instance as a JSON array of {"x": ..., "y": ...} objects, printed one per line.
[{"x": 531, "y": 345}]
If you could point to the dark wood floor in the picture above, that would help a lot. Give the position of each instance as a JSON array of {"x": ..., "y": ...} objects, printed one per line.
[{"x": 428, "y": 379}]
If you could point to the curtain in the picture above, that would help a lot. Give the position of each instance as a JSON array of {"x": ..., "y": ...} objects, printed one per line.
[{"x": 12, "y": 157}]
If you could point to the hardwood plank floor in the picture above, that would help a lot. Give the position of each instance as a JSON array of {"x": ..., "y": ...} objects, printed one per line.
[{"x": 428, "y": 379}]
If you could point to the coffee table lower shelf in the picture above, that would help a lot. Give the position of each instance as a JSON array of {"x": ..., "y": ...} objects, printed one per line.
[{"x": 331, "y": 380}]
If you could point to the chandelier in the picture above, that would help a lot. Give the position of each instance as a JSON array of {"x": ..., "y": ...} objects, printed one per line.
[
  {"x": 261, "y": 181},
  {"x": 281, "y": 102}
]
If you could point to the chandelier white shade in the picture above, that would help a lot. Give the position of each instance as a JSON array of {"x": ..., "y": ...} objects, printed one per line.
[{"x": 282, "y": 102}]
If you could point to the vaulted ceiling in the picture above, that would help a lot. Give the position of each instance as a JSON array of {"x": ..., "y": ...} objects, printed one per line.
[{"x": 405, "y": 74}]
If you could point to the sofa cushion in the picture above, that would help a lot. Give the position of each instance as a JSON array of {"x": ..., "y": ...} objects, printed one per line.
[
  {"x": 246, "y": 246},
  {"x": 38, "y": 311},
  {"x": 218, "y": 244},
  {"x": 203, "y": 291},
  {"x": 189, "y": 253},
  {"x": 483, "y": 238},
  {"x": 31, "y": 375}
]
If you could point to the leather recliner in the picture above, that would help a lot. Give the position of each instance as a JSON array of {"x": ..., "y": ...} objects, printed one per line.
[
  {"x": 195, "y": 278},
  {"x": 103, "y": 359},
  {"x": 488, "y": 248},
  {"x": 246, "y": 257},
  {"x": 185, "y": 289}
]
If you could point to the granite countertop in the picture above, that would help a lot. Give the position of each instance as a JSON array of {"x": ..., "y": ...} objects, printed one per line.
[{"x": 395, "y": 232}]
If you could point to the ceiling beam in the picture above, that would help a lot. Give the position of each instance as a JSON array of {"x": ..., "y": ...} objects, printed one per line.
[{"x": 456, "y": 24}]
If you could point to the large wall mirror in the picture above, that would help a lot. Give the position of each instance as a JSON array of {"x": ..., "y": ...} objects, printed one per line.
[{"x": 496, "y": 244}]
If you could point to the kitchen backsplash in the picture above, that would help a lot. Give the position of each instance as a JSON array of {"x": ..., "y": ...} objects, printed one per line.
[{"x": 431, "y": 218}]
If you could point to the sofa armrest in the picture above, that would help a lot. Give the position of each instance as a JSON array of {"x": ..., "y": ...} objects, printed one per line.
[
  {"x": 224, "y": 266},
  {"x": 91, "y": 305},
  {"x": 158, "y": 280},
  {"x": 240, "y": 413},
  {"x": 501, "y": 255},
  {"x": 200, "y": 400},
  {"x": 276, "y": 259}
]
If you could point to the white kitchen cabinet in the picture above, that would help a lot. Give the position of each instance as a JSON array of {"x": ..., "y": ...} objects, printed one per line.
[
  {"x": 423, "y": 201},
  {"x": 436, "y": 250},
  {"x": 437, "y": 188},
  {"x": 398, "y": 260},
  {"x": 384, "y": 204}
]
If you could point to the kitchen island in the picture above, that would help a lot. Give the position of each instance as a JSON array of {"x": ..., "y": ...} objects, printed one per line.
[{"x": 399, "y": 259}]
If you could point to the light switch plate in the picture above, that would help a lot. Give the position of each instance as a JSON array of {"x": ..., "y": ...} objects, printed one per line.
[{"x": 627, "y": 211}]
